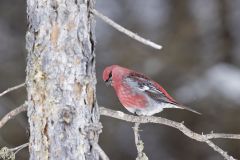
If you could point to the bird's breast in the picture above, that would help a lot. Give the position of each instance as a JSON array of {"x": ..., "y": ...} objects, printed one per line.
[{"x": 129, "y": 98}]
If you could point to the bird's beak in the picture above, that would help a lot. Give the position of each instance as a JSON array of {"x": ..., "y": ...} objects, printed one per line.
[{"x": 108, "y": 82}]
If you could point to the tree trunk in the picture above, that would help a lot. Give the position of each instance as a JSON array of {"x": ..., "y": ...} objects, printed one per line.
[{"x": 63, "y": 112}]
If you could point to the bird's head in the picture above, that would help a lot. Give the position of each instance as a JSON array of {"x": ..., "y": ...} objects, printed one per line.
[
  {"x": 113, "y": 74},
  {"x": 108, "y": 74}
]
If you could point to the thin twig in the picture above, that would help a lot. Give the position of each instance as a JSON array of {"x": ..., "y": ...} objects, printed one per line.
[
  {"x": 10, "y": 153},
  {"x": 12, "y": 89},
  {"x": 100, "y": 151},
  {"x": 12, "y": 114},
  {"x": 139, "y": 143},
  {"x": 222, "y": 135},
  {"x": 219, "y": 150},
  {"x": 19, "y": 148},
  {"x": 177, "y": 125},
  {"x": 125, "y": 31}
]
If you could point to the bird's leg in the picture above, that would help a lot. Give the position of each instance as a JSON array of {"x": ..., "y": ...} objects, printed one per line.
[{"x": 138, "y": 112}]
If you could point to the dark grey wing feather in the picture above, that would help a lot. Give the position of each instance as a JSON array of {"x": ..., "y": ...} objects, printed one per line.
[{"x": 144, "y": 84}]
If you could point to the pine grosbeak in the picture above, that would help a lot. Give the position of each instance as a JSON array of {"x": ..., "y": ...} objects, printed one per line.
[{"x": 138, "y": 93}]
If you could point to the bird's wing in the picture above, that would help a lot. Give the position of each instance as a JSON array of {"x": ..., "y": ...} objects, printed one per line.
[{"x": 141, "y": 83}]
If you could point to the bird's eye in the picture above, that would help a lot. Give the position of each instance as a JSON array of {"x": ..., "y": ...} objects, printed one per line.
[
  {"x": 110, "y": 75},
  {"x": 109, "y": 80}
]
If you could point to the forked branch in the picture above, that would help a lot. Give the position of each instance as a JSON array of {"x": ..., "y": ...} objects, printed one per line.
[
  {"x": 180, "y": 126},
  {"x": 10, "y": 153}
]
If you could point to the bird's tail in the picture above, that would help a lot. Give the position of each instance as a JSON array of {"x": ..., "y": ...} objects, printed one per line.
[{"x": 189, "y": 109}]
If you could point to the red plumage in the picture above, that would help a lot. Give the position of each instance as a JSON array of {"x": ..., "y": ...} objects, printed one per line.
[{"x": 138, "y": 93}]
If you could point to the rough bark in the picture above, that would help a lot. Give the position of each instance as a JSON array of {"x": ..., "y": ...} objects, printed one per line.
[{"x": 63, "y": 112}]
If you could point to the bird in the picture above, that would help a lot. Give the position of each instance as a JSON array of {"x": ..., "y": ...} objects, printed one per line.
[{"x": 138, "y": 93}]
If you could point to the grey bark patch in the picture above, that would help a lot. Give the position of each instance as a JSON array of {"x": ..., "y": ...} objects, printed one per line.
[{"x": 61, "y": 83}]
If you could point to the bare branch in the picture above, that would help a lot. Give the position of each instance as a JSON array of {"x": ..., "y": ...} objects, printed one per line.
[
  {"x": 12, "y": 89},
  {"x": 12, "y": 114},
  {"x": 19, "y": 148},
  {"x": 219, "y": 150},
  {"x": 125, "y": 31},
  {"x": 180, "y": 126},
  {"x": 139, "y": 143},
  {"x": 222, "y": 135},
  {"x": 101, "y": 152},
  {"x": 10, "y": 153}
]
